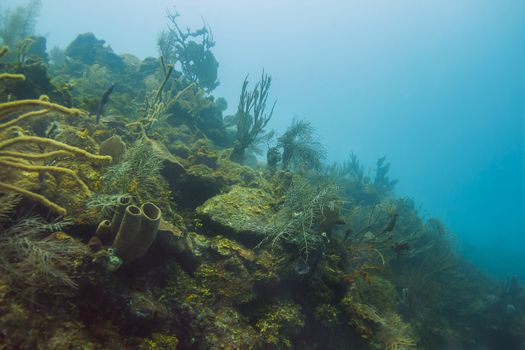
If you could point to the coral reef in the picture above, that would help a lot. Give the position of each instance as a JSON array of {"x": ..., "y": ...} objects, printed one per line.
[{"x": 294, "y": 255}]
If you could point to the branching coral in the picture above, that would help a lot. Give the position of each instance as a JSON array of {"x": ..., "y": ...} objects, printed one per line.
[
  {"x": 192, "y": 50},
  {"x": 350, "y": 169},
  {"x": 12, "y": 76},
  {"x": 20, "y": 160},
  {"x": 382, "y": 182},
  {"x": 251, "y": 116}
]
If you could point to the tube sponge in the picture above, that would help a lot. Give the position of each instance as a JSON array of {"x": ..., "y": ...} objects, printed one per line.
[
  {"x": 137, "y": 231},
  {"x": 122, "y": 203},
  {"x": 104, "y": 231},
  {"x": 128, "y": 233}
]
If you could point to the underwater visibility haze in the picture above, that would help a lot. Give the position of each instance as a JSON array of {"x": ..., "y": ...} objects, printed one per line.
[{"x": 262, "y": 175}]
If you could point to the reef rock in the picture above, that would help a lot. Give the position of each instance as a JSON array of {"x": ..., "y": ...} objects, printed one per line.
[{"x": 242, "y": 212}]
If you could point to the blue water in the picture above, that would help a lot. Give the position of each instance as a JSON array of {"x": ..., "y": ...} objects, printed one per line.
[{"x": 438, "y": 87}]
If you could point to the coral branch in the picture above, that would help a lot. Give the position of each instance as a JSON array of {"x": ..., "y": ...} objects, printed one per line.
[
  {"x": 9, "y": 107},
  {"x": 34, "y": 156},
  {"x": 45, "y": 169},
  {"x": 35, "y": 197},
  {"x": 54, "y": 143},
  {"x": 16, "y": 159},
  {"x": 12, "y": 76},
  {"x": 24, "y": 116}
]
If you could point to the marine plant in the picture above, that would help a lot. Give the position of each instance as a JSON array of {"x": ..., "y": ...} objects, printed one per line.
[
  {"x": 198, "y": 111},
  {"x": 93, "y": 79},
  {"x": 251, "y": 116},
  {"x": 510, "y": 290},
  {"x": 154, "y": 107},
  {"x": 57, "y": 57},
  {"x": 273, "y": 157},
  {"x": 430, "y": 282},
  {"x": 8, "y": 203},
  {"x": 363, "y": 318},
  {"x": 191, "y": 50},
  {"x": 372, "y": 223},
  {"x": 301, "y": 147}
]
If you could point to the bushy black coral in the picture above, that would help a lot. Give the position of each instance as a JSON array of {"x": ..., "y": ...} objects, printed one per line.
[
  {"x": 301, "y": 147},
  {"x": 31, "y": 261},
  {"x": 137, "y": 175},
  {"x": 140, "y": 167},
  {"x": 298, "y": 221}
]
